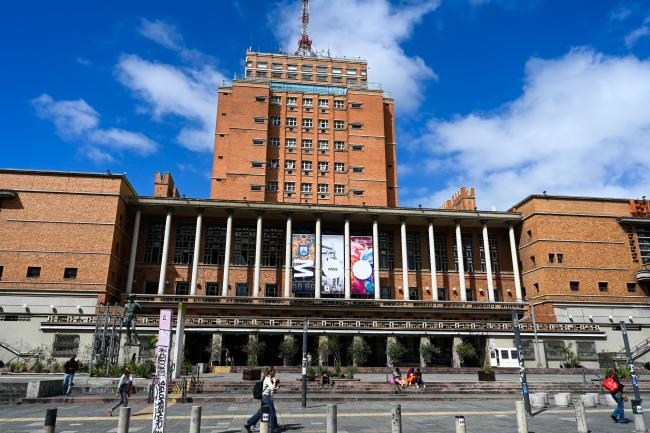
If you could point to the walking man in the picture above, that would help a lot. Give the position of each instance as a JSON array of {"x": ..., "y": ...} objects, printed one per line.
[
  {"x": 123, "y": 390},
  {"x": 70, "y": 367}
]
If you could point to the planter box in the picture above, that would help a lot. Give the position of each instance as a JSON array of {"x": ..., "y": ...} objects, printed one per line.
[
  {"x": 251, "y": 374},
  {"x": 486, "y": 377}
]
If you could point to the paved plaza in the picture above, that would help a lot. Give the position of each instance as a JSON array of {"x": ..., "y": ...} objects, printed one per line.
[{"x": 417, "y": 416}]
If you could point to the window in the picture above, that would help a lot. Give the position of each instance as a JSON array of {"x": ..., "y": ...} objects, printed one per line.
[
  {"x": 151, "y": 287},
  {"x": 34, "y": 272},
  {"x": 271, "y": 291},
  {"x": 261, "y": 98},
  {"x": 65, "y": 345},
  {"x": 498, "y": 294},
  {"x": 182, "y": 288},
  {"x": 586, "y": 350},
  {"x": 292, "y": 76},
  {"x": 356, "y": 105},
  {"x": 357, "y": 169},
  {"x": 386, "y": 251},
  {"x": 643, "y": 238},
  {"x": 274, "y": 163},
  {"x": 470, "y": 294},
  {"x": 307, "y": 68},
  {"x": 290, "y": 187},
  {"x": 276, "y": 66},
  {"x": 275, "y": 120},
  {"x": 308, "y": 102},
  {"x": 603, "y": 286},
  {"x": 273, "y": 244},
  {"x": 357, "y": 192},
  {"x": 290, "y": 143},
  {"x": 413, "y": 252},
  {"x": 212, "y": 289},
  {"x": 339, "y": 124},
  {"x": 631, "y": 287},
  {"x": 351, "y": 71},
  {"x": 386, "y": 292},
  {"x": 352, "y": 81},
  {"x": 339, "y": 145},
  {"x": 321, "y": 78},
  {"x": 356, "y": 147},
  {"x": 323, "y": 166},
  {"x": 323, "y": 188},
  {"x": 307, "y": 165},
  {"x": 272, "y": 186},
  {"x": 70, "y": 273},
  {"x": 307, "y": 144},
  {"x": 323, "y": 124},
  {"x": 554, "y": 350},
  {"x": 440, "y": 247},
  {"x": 414, "y": 293},
  {"x": 257, "y": 164},
  {"x": 256, "y": 187},
  {"x": 261, "y": 74},
  {"x": 442, "y": 294},
  {"x": 323, "y": 144},
  {"x": 274, "y": 141},
  {"x": 292, "y": 67},
  {"x": 290, "y": 164},
  {"x": 244, "y": 246},
  {"x": 276, "y": 75},
  {"x": 276, "y": 100},
  {"x": 305, "y": 188},
  {"x": 262, "y": 65},
  {"x": 468, "y": 253},
  {"x": 339, "y": 189},
  {"x": 184, "y": 245},
  {"x": 292, "y": 101},
  {"x": 560, "y": 258},
  {"x": 258, "y": 141},
  {"x": 336, "y": 70},
  {"x": 532, "y": 261},
  {"x": 241, "y": 289},
  {"x": 356, "y": 125},
  {"x": 494, "y": 255},
  {"x": 323, "y": 103},
  {"x": 260, "y": 119},
  {"x": 292, "y": 122},
  {"x": 339, "y": 104},
  {"x": 339, "y": 167},
  {"x": 551, "y": 258},
  {"x": 153, "y": 243},
  {"x": 2, "y": 268},
  {"x": 574, "y": 286},
  {"x": 336, "y": 79},
  {"x": 307, "y": 77},
  {"x": 215, "y": 245},
  {"x": 322, "y": 69}
]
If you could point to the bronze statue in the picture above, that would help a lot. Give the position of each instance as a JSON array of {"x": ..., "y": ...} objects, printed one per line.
[{"x": 128, "y": 321}]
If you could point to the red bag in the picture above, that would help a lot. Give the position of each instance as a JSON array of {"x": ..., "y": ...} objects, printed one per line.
[{"x": 610, "y": 384}]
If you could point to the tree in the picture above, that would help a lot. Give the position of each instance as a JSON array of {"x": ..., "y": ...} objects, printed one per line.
[
  {"x": 359, "y": 351},
  {"x": 395, "y": 351},
  {"x": 466, "y": 351},
  {"x": 288, "y": 349},
  {"x": 324, "y": 350},
  {"x": 254, "y": 348},
  {"x": 428, "y": 352},
  {"x": 214, "y": 350}
]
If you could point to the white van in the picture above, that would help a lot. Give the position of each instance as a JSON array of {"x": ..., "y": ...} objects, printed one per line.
[{"x": 504, "y": 357}]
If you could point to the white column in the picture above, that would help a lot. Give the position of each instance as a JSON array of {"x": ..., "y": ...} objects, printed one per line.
[
  {"x": 318, "y": 270},
  {"x": 226, "y": 258},
  {"x": 405, "y": 262},
  {"x": 488, "y": 263},
  {"x": 258, "y": 257},
  {"x": 461, "y": 264},
  {"x": 346, "y": 258},
  {"x": 180, "y": 341},
  {"x": 134, "y": 251},
  {"x": 165, "y": 254},
  {"x": 375, "y": 256},
  {"x": 197, "y": 250},
  {"x": 515, "y": 263},
  {"x": 432, "y": 262},
  {"x": 287, "y": 261}
]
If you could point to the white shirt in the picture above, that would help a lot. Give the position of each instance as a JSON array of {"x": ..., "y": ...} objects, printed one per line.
[
  {"x": 125, "y": 380},
  {"x": 268, "y": 386}
]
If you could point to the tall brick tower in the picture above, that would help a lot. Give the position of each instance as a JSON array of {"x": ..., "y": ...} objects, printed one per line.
[{"x": 305, "y": 128}]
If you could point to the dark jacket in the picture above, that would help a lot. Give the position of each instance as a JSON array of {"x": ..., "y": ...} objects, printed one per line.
[
  {"x": 71, "y": 366},
  {"x": 616, "y": 379}
]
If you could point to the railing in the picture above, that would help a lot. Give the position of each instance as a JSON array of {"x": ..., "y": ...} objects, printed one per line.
[
  {"x": 331, "y": 302},
  {"x": 643, "y": 274},
  {"x": 256, "y": 323}
]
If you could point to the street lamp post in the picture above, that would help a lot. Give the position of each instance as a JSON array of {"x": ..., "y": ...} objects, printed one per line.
[
  {"x": 304, "y": 364},
  {"x": 639, "y": 422},
  {"x": 522, "y": 369}
]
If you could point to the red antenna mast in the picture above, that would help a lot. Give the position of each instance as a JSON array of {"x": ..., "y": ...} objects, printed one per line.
[{"x": 304, "y": 43}]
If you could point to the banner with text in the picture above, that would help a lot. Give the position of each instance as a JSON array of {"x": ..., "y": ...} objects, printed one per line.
[
  {"x": 160, "y": 381},
  {"x": 361, "y": 260},
  {"x": 303, "y": 255},
  {"x": 332, "y": 264}
]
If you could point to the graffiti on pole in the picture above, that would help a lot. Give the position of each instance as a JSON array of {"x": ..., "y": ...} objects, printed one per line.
[{"x": 161, "y": 379}]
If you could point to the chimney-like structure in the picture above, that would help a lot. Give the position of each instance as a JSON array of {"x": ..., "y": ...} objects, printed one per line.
[
  {"x": 463, "y": 199},
  {"x": 163, "y": 186}
]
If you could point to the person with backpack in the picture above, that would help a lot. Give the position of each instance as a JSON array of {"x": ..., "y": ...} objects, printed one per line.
[
  {"x": 70, "y": 367},
  {"x": 123, "y": 389},
  {"x": 264, "y": 390}
]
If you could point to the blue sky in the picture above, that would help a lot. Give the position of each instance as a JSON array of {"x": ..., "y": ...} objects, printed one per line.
[{"x": 512, "y": 97}]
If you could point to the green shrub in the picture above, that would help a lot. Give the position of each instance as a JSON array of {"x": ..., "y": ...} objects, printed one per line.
[
  {"x": 359, "y": 351},
  {"x": 466, "y": 351},
  {"x": 288, "y": 349},
  {"x": 311, "y": 374},
  {"x": 351, "y": 371},
  {"x": 337, "y": 370},
  {"x": 396, "y": 351},
  {"x": 428, "y": 352}
]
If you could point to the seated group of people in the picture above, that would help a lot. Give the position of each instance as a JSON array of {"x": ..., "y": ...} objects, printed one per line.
[{"x": 413, "y": 377}]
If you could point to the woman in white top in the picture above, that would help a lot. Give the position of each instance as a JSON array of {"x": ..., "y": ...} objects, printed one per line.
[
  {"x": 269, "y": 386},
  {"x": 123, "y": 390}
]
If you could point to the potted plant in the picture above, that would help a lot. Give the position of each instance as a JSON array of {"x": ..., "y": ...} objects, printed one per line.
[
  {"x": 359, "y": 351},
  {"x": 288, "y": 350},
  {"x": 253, "y": 349},
  {"x": 428, "y": 352},
  {"x": 396, "y": 352}
]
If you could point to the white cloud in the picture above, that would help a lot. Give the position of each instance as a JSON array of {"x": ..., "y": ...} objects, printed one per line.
[
  {"x": 581, "y": 127},
  {"x": 372, "y": 29},
  {"x": 78, "y": 121},
  {"x": 167, "y": 35},
  {"x": 632, "y": 38}
]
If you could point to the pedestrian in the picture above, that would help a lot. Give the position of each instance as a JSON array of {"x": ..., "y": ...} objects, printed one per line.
[
  {"x": 123, "y": 390},
  {"x": 269, "y": 386},
  {"x": 418, "y": 379},
  {"x": 616, "y": 390},
  {"x": 410, "y": 377},
  {"x": 228, "y": 358},
  {"x": 70, "y": 367},
  {"x": 397, "y": 380}
]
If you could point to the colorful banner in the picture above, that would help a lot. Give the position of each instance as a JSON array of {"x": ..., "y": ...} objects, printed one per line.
[
  {"x": 162, "y": 372},
  {"x": 361, "y": 260},
  {"x": 303, "y": 247},
  {"x": 332, "y": 264}
]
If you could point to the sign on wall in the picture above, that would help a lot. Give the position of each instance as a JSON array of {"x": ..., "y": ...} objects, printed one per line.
[
  {"x": 162, "y": 372},
  {"x": 332, "y": 264},
  {"x": 303, "y": 255},
  {"x": 361, "y": 260}
]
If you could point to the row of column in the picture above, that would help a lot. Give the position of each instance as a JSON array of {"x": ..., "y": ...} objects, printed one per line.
[{"x": 318, "y": 263}]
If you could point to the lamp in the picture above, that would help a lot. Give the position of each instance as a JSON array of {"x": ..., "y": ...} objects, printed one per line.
[
  {"x": 611, "y": 319},
  {"x": 570, "y": 318},
  {"x": 591, "y": 318}
]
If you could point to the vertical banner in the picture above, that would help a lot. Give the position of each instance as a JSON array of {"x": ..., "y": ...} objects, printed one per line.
[
  {"x": 303, "y": 254},
  {"x": 332, "y": 264},
  {"x": 160, "y": 381},
  {"x": 361, "y": 260}
]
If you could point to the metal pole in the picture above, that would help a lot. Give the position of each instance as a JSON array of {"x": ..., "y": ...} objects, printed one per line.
[
  {"x": 581, "y": 416},
  {"x": 397, "y": 418},
  {"x": 637, "y": 410},
  {"x": 123, "y": 423},
  {"x": 331, "y": 418},
  {"x": 304, "y": 364},
  {"x": 50, "y": 421},
  {"x": 522, "y": 421},
  {"x": 522, "y": 369},
  {"x": 460, "y": 424},
  {"x": 532, "y": 312},
  {"x": 95, "y": 342},
  {"x": 195, "y": 420}
]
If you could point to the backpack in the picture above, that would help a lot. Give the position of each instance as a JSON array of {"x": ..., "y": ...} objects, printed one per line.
[{"x": 257, "y": 390}]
